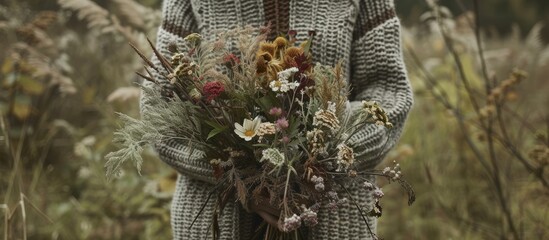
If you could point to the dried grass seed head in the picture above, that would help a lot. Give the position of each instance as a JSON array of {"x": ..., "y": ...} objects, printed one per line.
[
  {"x": 327, "y": 119},
  {"x": 345, "y": 157}
]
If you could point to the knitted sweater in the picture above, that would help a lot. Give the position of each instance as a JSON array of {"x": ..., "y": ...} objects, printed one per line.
[{"x": 364, "y": 34}]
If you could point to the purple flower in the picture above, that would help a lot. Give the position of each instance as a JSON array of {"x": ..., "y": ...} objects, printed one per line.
[
  {"x": 378, "y": 193},
  {"x": 282, "y": 123},
  {"x": 309, "y": 217}
]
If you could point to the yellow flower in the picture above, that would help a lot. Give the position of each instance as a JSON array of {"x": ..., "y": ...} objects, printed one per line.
[
  {"x": 267, "y": 64},
  {"x": 293, "y": 51},
  {"x": 193, "y": 38},
  {"x": 262, "y": 62},
  {"x": 267, "y": 47},
  {"x": 280, "y": 42},
  {"x": 289, "y": 56},
  {"x": 249, "y": 130}
]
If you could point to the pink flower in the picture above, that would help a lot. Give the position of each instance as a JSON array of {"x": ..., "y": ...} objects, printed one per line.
[
  {"x": 285, "y": 139},
  {"x": 212, "y": 90},
  {"x": 282, "y": 123},
  {"x": 276, "y": 111}
]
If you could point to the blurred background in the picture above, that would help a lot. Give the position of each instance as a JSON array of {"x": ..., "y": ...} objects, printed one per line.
[{"x": 475, "y": 148}]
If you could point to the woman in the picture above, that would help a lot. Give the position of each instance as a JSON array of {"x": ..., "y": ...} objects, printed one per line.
[{"x": 364, "y": 34}]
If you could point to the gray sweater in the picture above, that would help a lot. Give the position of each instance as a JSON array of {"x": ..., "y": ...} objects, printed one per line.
[{"x": 364, "y": 34}]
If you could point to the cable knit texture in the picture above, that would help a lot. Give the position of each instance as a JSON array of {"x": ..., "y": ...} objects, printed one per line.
[{"x": 363, "y": 34}]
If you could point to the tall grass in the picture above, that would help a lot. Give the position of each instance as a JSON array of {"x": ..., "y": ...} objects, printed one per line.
[
  {"x": 57, "y": 120},
  {"x": 476, "y": 121}
]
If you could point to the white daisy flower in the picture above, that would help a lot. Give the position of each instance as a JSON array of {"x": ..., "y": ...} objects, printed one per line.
[
  {"x": 249, "y": 130},
  {"x": 276, "y": 85},
  {"x": 282, "y": 85}
]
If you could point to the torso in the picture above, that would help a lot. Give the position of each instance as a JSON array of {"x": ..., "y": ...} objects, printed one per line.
[{"x": 333, "y": 22}]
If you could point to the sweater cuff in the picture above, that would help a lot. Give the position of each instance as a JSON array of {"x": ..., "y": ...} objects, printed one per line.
[
  {"x": 378, "y": 74},
  {"x": 186, "y": 161}
]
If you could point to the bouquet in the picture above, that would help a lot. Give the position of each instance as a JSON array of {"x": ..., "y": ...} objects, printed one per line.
[{"x": 274, "y": 125}]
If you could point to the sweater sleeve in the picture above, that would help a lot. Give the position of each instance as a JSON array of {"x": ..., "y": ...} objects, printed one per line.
[
  {"x": 177, "y": 22},
  {"x": 378, "y": 73}
]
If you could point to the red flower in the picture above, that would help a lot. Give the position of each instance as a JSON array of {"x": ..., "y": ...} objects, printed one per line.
[
  {"x": 212, "y": 90},
  {"x": 292, "y": 33},
  {"x": 231, "y": 59},
  {"x": 302, "y": 62}
]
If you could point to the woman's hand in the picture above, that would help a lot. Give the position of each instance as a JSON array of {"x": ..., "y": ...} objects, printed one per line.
[{"x": 266, "y": 211}]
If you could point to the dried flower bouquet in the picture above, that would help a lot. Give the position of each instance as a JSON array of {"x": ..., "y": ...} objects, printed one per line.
[{"x": 273, "y": 125}]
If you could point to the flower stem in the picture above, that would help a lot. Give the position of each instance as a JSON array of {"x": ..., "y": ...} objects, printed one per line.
[{"x": 286, "y": 211}]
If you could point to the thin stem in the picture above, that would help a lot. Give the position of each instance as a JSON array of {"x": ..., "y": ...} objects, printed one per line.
[
  {"x": 23, "y": 215},
  {"x": 16, "y": 156},
  {"x": 292, "y": 100},
  {"x": 505, "y": 140},
  {"x": 439, "y": 93},
  {"x": 6, "y": 220},
  {"x": 37, "y": 209},
  {"x": 509, "y": 147},
  {"x": 450, "y": 45},
  {"x": 286, "y": 210},
  {"x": 497, "y": 180},
  {"x": 487, "y": 83}
]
